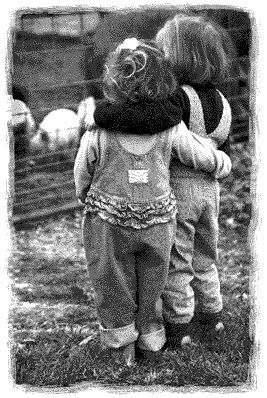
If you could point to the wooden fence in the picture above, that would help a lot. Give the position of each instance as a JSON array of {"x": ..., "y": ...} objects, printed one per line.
[{"x": 43, "y": 184}]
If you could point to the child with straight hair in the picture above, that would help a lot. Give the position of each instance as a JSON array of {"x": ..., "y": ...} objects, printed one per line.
[
  {"x": 129, "y": 221},
  {"x": 200, "y": 52}
]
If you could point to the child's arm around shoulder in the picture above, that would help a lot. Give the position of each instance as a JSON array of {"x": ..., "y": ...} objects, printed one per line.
[
  {"x": 85, "y": 161},
  {"x": 199, "y": 152},
  {"x": 148, "y": 117}
]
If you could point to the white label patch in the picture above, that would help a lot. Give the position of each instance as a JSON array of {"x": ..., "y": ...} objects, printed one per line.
[{"x": 138, "y": 176}]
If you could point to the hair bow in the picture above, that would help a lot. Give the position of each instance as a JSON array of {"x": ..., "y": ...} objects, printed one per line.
[{"x": 129, "y": 44}]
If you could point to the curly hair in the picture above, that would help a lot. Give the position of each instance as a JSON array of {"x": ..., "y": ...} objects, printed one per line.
[
  {"x": 200, "y": 50},
  {"x": 138, "y": 73}
]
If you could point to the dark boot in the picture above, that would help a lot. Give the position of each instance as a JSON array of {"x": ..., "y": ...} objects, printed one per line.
[
  {"x": 178, "y": 335},
  {"x": 211, "y": 327}
]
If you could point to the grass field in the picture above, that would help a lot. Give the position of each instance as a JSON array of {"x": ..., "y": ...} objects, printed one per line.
[{"x": 53, "y": 307}]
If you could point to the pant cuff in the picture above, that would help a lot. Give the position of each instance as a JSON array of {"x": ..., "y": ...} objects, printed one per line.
[
  {"x": 119, "y": 337},
  {"x": 212, "y": 309},
  {"x": 152, "y": 341},
  {"x": 178, "y": 318}
]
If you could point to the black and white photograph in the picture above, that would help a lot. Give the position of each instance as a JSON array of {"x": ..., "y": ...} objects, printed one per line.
[{"x": 132, "y": 198}]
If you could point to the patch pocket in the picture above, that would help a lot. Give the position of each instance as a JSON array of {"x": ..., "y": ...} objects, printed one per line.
[{"x": 138, "y": 176}]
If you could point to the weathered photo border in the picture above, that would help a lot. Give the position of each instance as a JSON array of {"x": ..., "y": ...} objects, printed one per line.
[{"x": 257, "y": 234}]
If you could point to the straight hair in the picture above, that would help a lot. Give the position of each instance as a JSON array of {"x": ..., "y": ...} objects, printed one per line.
[{"x": 200, "y": 50}]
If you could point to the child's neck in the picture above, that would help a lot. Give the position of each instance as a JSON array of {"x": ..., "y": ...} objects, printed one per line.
[{"x": 136, "y": 144}]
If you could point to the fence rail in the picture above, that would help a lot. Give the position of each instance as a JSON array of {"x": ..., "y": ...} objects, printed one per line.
[{"x": 21, "y": 220}]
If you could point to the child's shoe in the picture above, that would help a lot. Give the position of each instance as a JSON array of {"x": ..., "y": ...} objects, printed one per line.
[
  {"x": 148, "y": 357},
  {"x": 211, "y": 325},
  {"x": 125, "y": 354},
  {"x": 178, "y": 335},
  {"x": 211, "y": 320}
]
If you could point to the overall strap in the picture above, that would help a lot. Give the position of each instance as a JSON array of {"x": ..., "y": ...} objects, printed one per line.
[
  {"x": 196, "y": 120},
  {"x": 222, "y": 130}
]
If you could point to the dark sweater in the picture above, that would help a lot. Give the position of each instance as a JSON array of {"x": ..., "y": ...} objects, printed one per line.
[{"x": 151, "y": 117}]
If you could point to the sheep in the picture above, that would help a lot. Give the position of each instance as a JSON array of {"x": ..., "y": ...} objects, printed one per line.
[
  {"x": 57, "y": 131},
  {"x": 23, "y": 127}
]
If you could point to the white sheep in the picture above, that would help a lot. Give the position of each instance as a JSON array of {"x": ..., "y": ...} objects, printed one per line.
[{"x": 58, "y": 130}]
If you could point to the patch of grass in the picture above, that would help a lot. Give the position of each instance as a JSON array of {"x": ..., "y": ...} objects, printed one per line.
[
  {"x": 42, "y": 316},
  {"x": 48, "y": 328},
  {"x": 58, "y": 359}
]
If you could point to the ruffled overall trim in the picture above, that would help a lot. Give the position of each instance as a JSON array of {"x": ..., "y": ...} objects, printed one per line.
[{"x": 133, "y": 215}]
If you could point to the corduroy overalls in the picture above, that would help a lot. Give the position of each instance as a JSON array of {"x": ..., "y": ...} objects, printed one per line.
[
  {"x": 193, "y": 281},
  {"x": 128, "y": 233}
]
